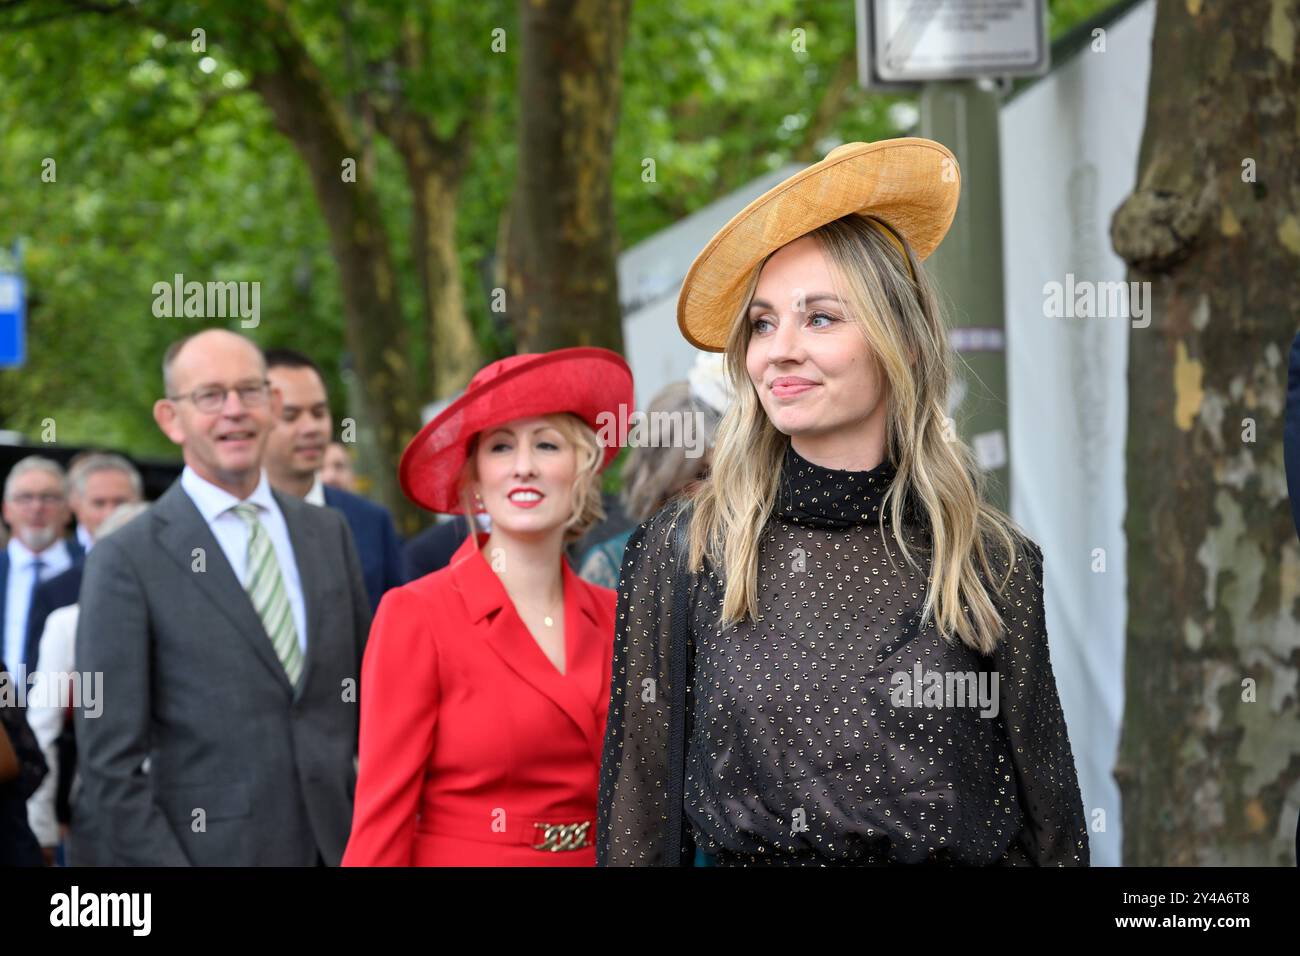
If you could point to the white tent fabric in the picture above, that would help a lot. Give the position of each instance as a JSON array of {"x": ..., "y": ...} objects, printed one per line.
[{"x": 1069, "y": 158}]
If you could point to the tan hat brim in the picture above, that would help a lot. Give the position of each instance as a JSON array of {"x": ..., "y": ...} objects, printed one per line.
[{"x": 911, "y": 184}]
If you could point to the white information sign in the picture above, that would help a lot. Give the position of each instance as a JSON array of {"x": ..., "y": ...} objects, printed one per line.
[{"x": 910, "y": 41}]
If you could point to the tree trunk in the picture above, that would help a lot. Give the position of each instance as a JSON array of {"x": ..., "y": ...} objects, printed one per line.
[
  {"x": 562, "y": 280},
  {"x": 309, "y": 116},
  {"x": 1208, "y": 763},
  {"x": 434, "y": 168}
]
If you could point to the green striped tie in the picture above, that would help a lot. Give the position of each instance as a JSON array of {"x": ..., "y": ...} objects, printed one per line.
[{"x": 265, "y": 587}]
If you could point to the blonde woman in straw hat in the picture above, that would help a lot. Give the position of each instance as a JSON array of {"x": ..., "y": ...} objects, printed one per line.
[{"x": 835, "y": 651}]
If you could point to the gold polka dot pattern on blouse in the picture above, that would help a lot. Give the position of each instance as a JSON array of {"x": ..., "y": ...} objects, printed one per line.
[{"x": 835, "y": 730}]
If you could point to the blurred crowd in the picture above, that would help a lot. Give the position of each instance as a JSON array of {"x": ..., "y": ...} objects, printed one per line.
[{"x": 89, "y": 685}]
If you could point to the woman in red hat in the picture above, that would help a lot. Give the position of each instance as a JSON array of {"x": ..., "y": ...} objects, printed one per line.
[{"x": 485, "y": 685}]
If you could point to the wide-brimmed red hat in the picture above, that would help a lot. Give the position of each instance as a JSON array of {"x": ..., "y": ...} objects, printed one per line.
[{"x": 583, "y": 381}]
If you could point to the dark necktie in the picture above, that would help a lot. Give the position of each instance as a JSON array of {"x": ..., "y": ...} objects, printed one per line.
[{"x": 37, "y": 567}]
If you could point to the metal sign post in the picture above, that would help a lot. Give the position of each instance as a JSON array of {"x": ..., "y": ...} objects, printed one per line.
[
  {"x": 968, "y": 269},
  {"x": 959, "y": 56}
]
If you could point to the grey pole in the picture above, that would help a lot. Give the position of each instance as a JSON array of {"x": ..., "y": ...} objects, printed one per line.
[{"x": 968, "y": 269}]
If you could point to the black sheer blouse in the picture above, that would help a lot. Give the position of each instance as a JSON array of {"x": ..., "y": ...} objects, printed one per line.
[{"x": 833, "y": 730}]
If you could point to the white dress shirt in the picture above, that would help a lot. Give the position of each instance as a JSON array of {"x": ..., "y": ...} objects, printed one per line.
[
  {"x": 83, "y": 536},
  {"x": 232, "y": 534},
  {"x": 18, "y": 594},
  {"x": 46, "y": 714},
  {"x": 316, "y": 494}
]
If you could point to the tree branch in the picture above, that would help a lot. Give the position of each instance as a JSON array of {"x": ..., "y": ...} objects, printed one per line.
[
  {"x": 206, "y": 104},
  {"x": 76, "y": 8},
  {"x": 828, "y": 109}
]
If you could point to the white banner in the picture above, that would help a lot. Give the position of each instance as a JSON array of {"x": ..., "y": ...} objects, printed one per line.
[{"x": 1069, "y": 158}]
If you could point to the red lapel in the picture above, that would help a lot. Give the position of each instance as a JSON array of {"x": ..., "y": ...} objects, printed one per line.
[{"x": 491, "y": 610}]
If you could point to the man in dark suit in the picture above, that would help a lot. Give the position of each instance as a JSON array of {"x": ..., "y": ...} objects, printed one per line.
[
  {"x": 295, "y": 453},
  {"x": 229, "y": 624},
  {"x": 432, "y": 548},
  {"x": 36, "y": 510}
]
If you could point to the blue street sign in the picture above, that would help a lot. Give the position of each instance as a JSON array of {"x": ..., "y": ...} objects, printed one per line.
[{"x": 13, "y": 319}]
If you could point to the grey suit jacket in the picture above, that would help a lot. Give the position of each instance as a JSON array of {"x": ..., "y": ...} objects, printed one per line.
[{"x": 242, "y": 769}]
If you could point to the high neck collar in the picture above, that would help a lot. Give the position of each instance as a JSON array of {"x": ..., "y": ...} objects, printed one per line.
[{"x": 818, "y": 497}]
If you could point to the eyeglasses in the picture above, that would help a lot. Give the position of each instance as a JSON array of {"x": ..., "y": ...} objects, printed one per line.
[
  {"x": 27, "y": 498},
  {"x": 212, "y": 398}
]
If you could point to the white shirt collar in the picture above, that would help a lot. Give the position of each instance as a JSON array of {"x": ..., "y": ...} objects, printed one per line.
[
  {"x": 87, "y": 542},
  {"x": 213, "y": 502},
  {"x": 20, "y": 556},
  {"x": 316, "y": 494}
]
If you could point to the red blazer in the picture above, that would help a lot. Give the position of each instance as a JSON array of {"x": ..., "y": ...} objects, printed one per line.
[{"x": 469, "y": 735}]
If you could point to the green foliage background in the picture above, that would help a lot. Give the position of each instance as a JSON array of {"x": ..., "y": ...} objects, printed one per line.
[{"x": 167, "y": 163}]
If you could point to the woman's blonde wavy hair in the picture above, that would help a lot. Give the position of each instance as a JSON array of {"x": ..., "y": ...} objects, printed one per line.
[
  {"x": 902, "y": 322},
  {"x": 588, "y": 509}
]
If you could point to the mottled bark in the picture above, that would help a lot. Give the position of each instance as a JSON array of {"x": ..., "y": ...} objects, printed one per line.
[
  {"x": 561, "y": 276},
  {"x": 1208, "y": 775}
]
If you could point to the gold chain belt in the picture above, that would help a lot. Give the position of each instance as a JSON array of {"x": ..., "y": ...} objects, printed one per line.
[{"x": 557, "y": 837}]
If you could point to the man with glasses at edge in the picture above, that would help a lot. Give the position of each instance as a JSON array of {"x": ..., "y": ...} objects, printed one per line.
[{"x": 36, "y": 510}]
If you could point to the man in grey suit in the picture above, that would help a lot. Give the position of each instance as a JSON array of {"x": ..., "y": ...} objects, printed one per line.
[{"x": 229, "y": 623}]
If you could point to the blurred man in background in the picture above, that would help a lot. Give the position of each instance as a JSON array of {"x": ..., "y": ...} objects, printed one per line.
[
  {"x": 36, "y": 511},
  {"x": 295, "y": 454},
  {"x": 337, "y": 471},
  {"x": 99, "y": 483}
]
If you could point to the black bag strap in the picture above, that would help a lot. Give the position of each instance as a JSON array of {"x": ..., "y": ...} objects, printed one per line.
[{"x": 679, "y": 847}]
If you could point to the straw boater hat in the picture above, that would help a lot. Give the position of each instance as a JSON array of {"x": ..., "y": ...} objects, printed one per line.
[
  {"x": 907, "y": 188},
  {"x": 584, "y": 381}
]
